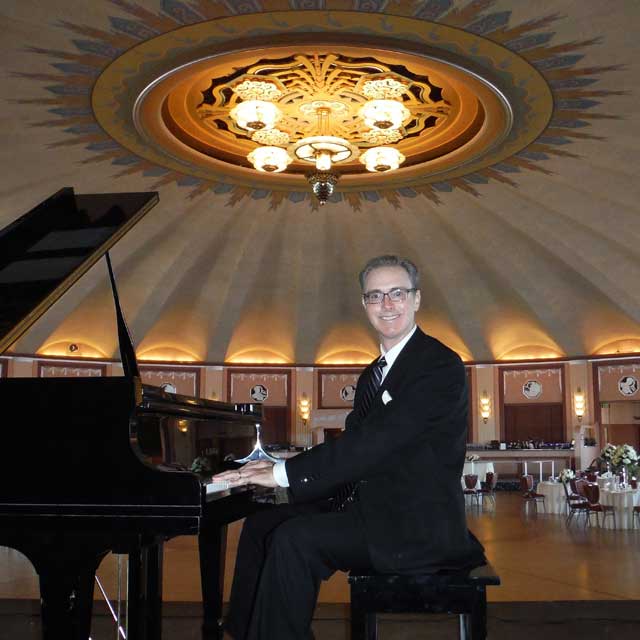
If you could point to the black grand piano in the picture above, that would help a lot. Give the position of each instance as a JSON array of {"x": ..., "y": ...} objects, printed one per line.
[{"x": 97, "y": 465}]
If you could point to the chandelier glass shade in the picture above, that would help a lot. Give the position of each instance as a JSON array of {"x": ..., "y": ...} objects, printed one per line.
[
  {"x": 382, "y": 159},
  {"x": 269, "y": 159},
  {"x": 256, "y": 115},
  {"x": 384, "y": 114}
]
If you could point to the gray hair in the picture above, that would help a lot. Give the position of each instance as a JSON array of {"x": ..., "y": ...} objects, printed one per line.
[{"x": 391, "y": 261}]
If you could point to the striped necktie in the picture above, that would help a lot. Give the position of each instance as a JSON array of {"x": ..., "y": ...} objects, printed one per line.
[
  {"x": 349, "y": 492},
  {"x": 372, "y": 385}
]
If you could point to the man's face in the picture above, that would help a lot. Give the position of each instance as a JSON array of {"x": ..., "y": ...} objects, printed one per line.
[{"x": 392, "y": 320}]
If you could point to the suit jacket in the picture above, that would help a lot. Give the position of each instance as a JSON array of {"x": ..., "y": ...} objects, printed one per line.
[{"x": 408, "y": 457}]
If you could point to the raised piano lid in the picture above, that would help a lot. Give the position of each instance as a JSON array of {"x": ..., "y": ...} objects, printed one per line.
[{"x": 46, "y": 250}]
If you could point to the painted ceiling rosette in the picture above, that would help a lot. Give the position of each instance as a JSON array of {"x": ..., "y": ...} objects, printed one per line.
[{"x": 518, "y": 198}]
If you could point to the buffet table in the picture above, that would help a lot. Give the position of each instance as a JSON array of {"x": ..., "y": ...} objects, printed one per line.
[{"x": 551, "y": 460}]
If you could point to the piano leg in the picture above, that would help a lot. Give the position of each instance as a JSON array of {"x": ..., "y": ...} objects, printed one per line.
[
  {"x": 66, "y": 567},
  {"x": 66, "y": 594},
  {"x": 144, "y": 618},
  {"x": 212, "y": 543}
]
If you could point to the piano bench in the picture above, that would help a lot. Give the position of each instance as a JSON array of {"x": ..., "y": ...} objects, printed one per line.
[{"x": 463, "y": 593}]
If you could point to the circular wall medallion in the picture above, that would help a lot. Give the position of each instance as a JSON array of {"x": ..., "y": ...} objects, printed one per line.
[
  {"x": 348, "y": 392},
  {"x": 628, "y": 386},
  {"x": 471, "y": 102},
  {"x": 259, "y": 393},
  {"x": 532, "y": 389}
]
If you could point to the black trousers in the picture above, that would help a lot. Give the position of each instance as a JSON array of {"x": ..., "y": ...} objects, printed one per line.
[{"x": 283, "y": 555}]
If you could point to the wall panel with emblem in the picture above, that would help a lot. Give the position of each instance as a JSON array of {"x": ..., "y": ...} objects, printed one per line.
[
  {"x": 532, "y": 403},
  {"x": 272, "y": 389},
  {"x": 182, "y": 380},
  {"x": 337, "y": 388},
  {"x": 617, "y": 401}
]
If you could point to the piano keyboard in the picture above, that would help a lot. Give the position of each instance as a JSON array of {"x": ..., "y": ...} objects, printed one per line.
[{"x": 213, "y": 487}]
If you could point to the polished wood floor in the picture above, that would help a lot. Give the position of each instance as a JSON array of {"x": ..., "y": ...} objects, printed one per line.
[{"x": 537, "y": 557}]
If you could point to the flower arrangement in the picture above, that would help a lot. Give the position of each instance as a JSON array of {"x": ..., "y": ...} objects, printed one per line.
[
  {"x": 566, "y": 475},
  {"x": 618, "y": 458},
  {"x": 606, "y": 455},
  {"x": 625, "y": 457}
]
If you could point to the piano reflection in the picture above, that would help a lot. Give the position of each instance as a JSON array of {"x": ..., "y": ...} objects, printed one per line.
[{"x": 98, "y": 465}]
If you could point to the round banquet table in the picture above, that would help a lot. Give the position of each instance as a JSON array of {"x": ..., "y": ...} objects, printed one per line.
[
  {"x": 623, "y": 501},
  {"x": 554, "y": 499}
]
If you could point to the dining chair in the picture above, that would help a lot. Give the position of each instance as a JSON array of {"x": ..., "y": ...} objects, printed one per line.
[
  {"x": 529, "y": 495},
  {"x": 576, "y": 504},
  {"x": 592, "y": 493},
  {"x": 489, "y": 487},
  {"x": 470, "y": 488}
]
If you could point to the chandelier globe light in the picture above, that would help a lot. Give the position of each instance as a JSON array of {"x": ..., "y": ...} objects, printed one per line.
[
  {"x": 384, "y": 114},
  {"x": 270, "y": 159},
  {"x": 257, "y": 110},
  {"x": 255, "y": 115},
  {"x": 382, "y": 159}
]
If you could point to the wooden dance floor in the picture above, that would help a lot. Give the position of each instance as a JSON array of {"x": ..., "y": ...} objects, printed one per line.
[{"x": 539, "y": 559}]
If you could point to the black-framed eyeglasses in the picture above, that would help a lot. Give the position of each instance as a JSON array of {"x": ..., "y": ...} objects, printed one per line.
[{"x": 399, "y": 294}]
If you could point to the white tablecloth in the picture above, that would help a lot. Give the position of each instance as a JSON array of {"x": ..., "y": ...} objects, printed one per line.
[
  {"x": 477, "y": 468},
  {"x": 623, "y": 502},
  {"x": 555, "y": 500}
]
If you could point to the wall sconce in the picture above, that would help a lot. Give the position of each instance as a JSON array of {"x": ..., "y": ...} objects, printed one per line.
[
  {"x": 485, "y": 407},
  {"x": 183, "y": 426},
  {"x": 304, "y": 408},
  {"x": 578, "y": 404}
]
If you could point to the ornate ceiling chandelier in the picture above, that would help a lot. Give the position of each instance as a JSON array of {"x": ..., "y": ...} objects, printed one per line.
[{"x": 321, "y": 111}]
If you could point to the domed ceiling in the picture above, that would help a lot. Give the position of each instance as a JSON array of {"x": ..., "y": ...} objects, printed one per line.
[{"x": 517, "y": 194}]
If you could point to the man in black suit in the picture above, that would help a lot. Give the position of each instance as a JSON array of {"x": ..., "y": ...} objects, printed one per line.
[{"x": 394, "y": 475}]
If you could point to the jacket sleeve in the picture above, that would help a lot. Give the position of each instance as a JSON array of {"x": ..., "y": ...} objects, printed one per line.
[{"x": 433, "y": 401}]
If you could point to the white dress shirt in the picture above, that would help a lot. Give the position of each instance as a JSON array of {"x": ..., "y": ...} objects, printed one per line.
[{"x": 279, "y": 468}]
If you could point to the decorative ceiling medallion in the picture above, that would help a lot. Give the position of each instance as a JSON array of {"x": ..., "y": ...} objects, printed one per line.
[
  {"x": 455, "y": 119},
  {"x": 519, "y": 83}
]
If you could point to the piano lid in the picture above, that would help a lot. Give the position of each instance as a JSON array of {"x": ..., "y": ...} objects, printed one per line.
[{"x": 46, "y": 250}]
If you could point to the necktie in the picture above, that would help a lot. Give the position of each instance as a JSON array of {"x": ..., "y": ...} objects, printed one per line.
[
  {"x": 349, "y": 492},
  {"x": 373, "y": 383}
]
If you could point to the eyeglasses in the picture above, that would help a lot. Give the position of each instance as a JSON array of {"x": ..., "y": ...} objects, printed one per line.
[{"x": 399, "y": 294}]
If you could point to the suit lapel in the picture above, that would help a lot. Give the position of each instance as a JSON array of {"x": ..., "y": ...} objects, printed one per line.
[{"x": 403, "y": 362}]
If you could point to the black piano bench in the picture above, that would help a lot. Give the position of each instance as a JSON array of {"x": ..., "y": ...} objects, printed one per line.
[{"x": 463, "y": 593}]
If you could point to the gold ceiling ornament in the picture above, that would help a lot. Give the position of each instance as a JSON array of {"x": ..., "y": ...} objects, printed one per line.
[{"x": 329, "y": 109}]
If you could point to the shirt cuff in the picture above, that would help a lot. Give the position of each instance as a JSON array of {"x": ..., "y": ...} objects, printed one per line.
[{"x": 280, "y": 474}]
